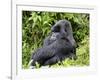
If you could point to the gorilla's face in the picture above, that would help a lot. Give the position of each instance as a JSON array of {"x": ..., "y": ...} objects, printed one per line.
[{"x": 61, "y": 30}]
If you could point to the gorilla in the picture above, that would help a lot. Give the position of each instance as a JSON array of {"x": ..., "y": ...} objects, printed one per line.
[{"x": 58, "y": 46}]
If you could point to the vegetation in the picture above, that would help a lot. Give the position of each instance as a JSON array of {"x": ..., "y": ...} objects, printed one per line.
[{"x": 36, "y": 26}]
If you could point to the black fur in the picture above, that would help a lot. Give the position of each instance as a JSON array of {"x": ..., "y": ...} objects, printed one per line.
[{"x": 58, "y": 46}]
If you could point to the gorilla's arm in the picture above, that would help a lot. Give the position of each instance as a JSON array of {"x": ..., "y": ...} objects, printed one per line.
[
  {"x": 46, "y": 41},
  {"x": 52, "y": 38}
]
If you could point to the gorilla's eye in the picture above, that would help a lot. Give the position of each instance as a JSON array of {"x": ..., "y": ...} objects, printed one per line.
[
  {"x": 65, "y": 30},
  {"x": 56, "y": 28}
]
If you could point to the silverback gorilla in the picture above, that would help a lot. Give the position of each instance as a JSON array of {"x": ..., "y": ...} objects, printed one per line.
[{"x": 58, "y": 46}]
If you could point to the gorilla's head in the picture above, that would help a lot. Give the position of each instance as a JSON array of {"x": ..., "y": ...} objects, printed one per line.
[{"x": 62, "y": 29}]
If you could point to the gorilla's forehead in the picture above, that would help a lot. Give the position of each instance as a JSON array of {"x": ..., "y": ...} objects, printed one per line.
[{"x": 63, "y": 22}]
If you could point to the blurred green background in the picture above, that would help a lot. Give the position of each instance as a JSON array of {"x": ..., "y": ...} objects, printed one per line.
[{"x": 36, "y": 26}]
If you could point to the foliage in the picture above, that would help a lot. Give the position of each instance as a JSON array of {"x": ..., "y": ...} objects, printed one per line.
[{"x": 36, "y": 26}]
